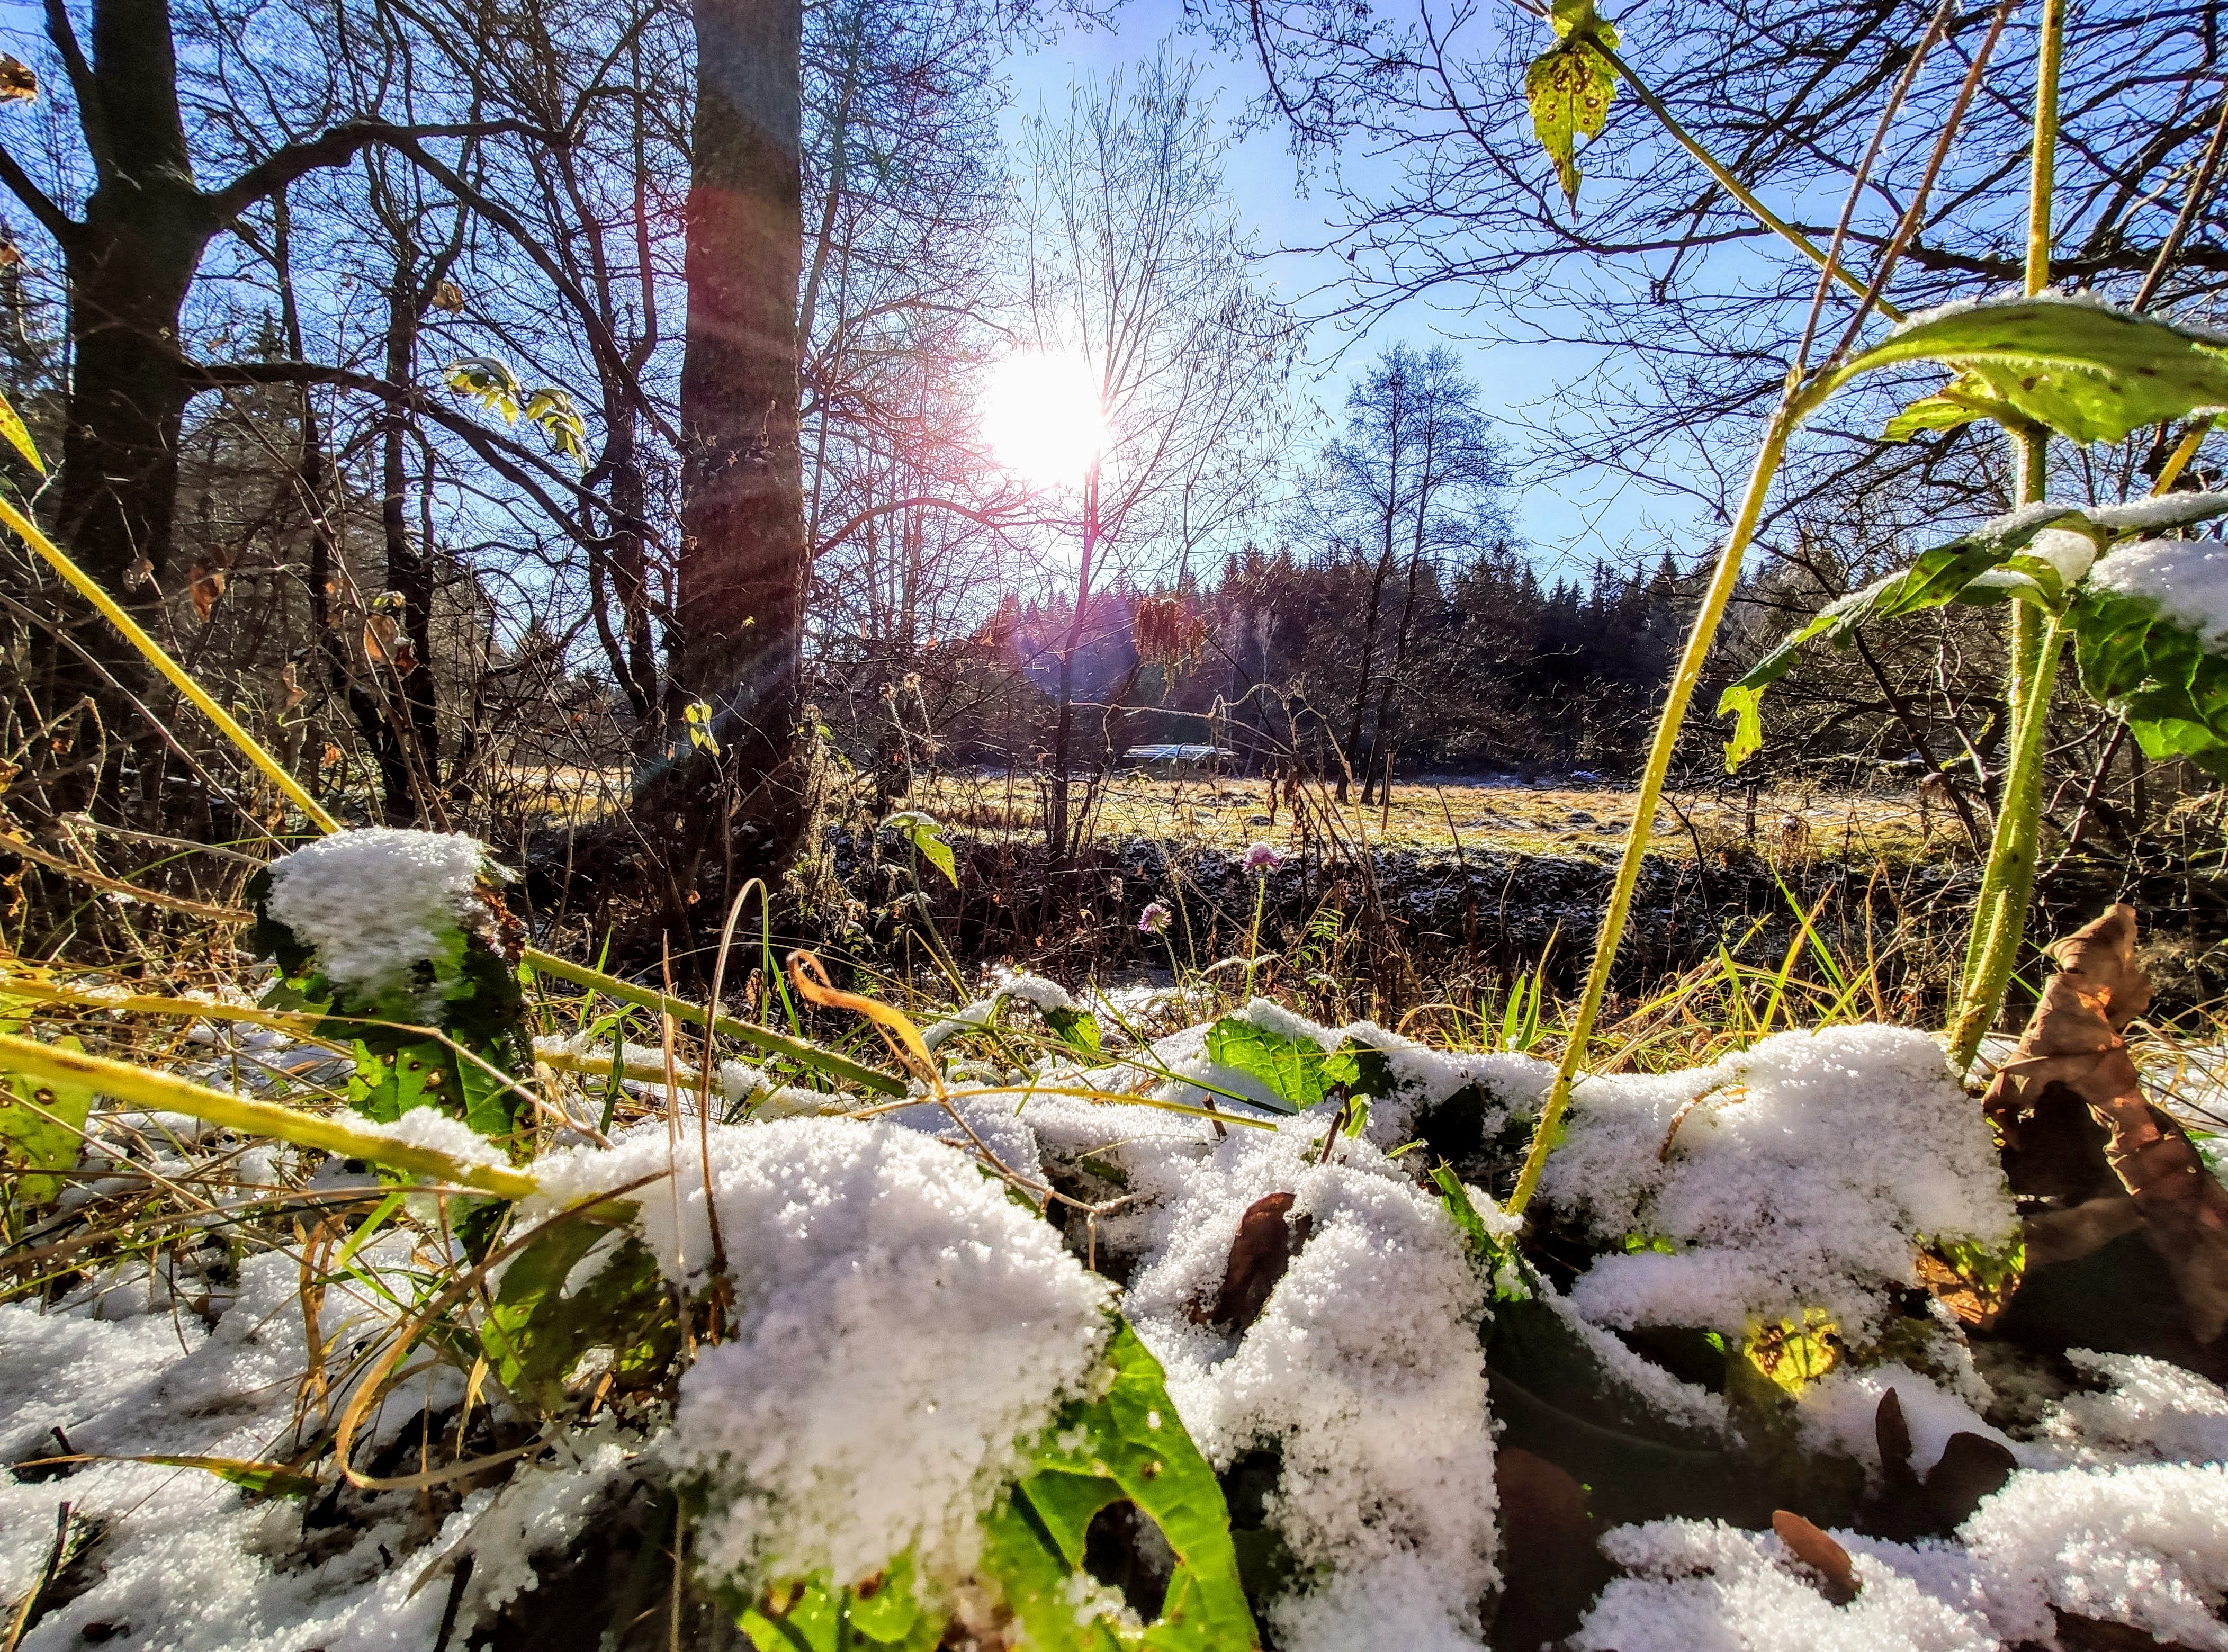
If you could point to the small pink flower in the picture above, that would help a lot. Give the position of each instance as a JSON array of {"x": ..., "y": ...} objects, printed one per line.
[
  {"x": 1155, "y": 919},
  {"x": 1262, "y": 858}
]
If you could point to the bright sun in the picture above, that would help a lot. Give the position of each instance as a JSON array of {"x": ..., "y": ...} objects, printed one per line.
[{"x": 1041, "y": 417}]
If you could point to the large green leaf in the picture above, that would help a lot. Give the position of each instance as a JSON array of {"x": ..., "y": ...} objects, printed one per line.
[
  {"x": 813, "y": 1617},
  {"x": 1126, "y": 1445},
  {"x": 41, "y": 1127},
  {"x": 2157, "y": 672},
  {"x": 1569, "y": 86},
  {"x": 535, "y": 1332},
  {"x": 1965, "y": 399},
  {"x": 1943, "y": 575},
  {"x": 1298, "y": 1072},
  {"x": 2090, "y": 372},
  {"x": 1077, "y": 1028}
]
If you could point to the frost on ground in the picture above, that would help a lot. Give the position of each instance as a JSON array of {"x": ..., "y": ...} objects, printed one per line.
[{"x": 902, "y": 1328}]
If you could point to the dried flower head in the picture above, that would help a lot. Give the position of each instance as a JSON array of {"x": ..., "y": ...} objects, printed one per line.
[
  {"x": 1262, "y": 858},
  {"x": 1155, "y": 919}
]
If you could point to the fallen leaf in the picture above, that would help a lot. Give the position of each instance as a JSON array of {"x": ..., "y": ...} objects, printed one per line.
[
  {"x": 1837, "y": 1577},
  {"x": 1263, "y": 1249},
  {"x": 2072, "y": 1114},
  {"x": 205, "y": 583}
]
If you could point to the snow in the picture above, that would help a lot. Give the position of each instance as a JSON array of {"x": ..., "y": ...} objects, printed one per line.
[
  {"x": 1364, "y": 1370},
  {"x": 375, "y": 902},
  {"x": 2148, "y": 1409},
  {"x": 2069, "y": 552},
  {"x": 1839, "y": 1413},
  {"x": 2158, "y": 510},
  {"x": 904, "y": 1329},
  {"x": 2186, "y": 578},
  {"x": 429, "y": 1127},
  {"x": 1798, "y": 1175}
]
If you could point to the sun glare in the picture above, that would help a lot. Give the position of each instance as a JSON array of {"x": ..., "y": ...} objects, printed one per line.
[{"x": 1040, "y": 415}]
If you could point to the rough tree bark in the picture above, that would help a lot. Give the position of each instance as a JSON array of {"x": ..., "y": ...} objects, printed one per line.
[{"x": 740, "y": 608}]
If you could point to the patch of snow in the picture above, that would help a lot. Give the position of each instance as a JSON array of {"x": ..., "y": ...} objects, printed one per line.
[
  {"x": 1364, "y": 1370},
  {"x": 1801, "y": 1176},
  {"x": 2186, "y": 578},
  {"x": 373, "y": 903},
  {"x": 1838, "y": 1411},
  {"x": 903, "y": 1330},
  {"x": 2069, "y": 552},
  {"x": 430, "y": 1128},
  {"x": 2150, "y": 1409}
]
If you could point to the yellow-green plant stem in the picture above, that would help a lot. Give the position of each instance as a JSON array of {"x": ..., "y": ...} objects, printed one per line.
[
  {"x": 2007, "y": 884},
  {"x": 161, "y": 1091},
  {"x": 1667, "y": 725},
  {"x": 1733, "y": 187},
  {"x": 159, "y": 657}
]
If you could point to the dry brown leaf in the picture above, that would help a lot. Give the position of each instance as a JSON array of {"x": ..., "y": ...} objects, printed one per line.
[
  {"x": 205, "y": 583},
  {"x": 382, "y": 637},
  {"x": 17, "y": 83},
  {"x": 2073, "y": 1119},
  {"x": 448, "y": 298},
  {"x": 1260, "y": 1254},
  {"x": 138, "y": 574},
  {"x": 1838, "y": 1578},
  {"x": 290, "y": 691}
]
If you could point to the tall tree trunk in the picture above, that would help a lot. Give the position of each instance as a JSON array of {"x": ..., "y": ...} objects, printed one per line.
[
  {"x": 744, "y": 562},
  {"x": 1056, "y": 824}
]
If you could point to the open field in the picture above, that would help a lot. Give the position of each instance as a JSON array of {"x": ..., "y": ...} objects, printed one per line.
[{"x": 1452, "y": 813}]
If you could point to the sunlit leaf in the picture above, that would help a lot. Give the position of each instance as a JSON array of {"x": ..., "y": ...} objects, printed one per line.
[
  {"x": 1298, "y": 1072},
  {"x": 2090, "y": 372},
  {"x": 1942, "y": 574},
  {"x": 2157, "y": 672},
  {"x": 41, "y": 1127},
  {"x": 1965, "y": 399},
  {"x": 1077, "y": 1028},
  {"x": 925, "y": 833},
  {"x": 17, "y": 83},
  {"x": 1569, "y": 86},
  {"x": 1129, "y": 1445},
  {"x": 551, "y": 412},
  {"x": 490, "y": 381}
]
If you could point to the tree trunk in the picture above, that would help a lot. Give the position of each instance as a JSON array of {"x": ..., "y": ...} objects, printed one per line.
[
  {"x": 744, "y": 561},
  {"x": 1056, "y": 826}
]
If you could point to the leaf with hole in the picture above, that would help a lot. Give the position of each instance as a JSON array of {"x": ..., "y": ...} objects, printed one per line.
[
  {"x": 1126, "y": 1445},
  {"x": 1568, "y": 88},
  {"x": 41, "y": 1127}
]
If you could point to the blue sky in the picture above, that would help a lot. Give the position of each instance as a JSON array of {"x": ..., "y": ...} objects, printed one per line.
[{"x": 1569, "y": 527}]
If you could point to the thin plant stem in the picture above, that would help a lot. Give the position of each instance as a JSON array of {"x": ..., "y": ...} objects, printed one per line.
[
  {"x": 1689, "y": 673},
  {"x": 1253, "y": 935},
  {"x": 2007, "y": 883}
]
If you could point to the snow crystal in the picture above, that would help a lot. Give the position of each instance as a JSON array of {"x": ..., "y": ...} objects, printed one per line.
[
  {"x": 2132, "y": 516},
  {"x": 2187, "y": 578},
  {"x": 375, "y": 902},
  {"x": 903, "y": 1330},
  {"x": 1797, "y": 1174},
  {"x": 1364, "y": 1370}
]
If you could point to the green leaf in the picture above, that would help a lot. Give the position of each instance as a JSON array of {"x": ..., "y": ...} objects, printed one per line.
[
  {"x": 535, "y": 1333},
  {"x": 1077, "y": 1028},
  {"x": 1965, "y": 399},
  {"x": 1569, "y": 86},
  {"x": 489, "y": 380},
  {"x": 1298, "y": 1072},
  {"x": 19, "y": 436},
  {"x": 1941, "y": 575},
  {"x": 41, "y": 1131},
  {"x": 2089, "y": 371},
  {"x": 1127, "y": 1443},
  {"x": 551, "y": 411},
  {"x": 2155, "y": 672},
  {"x": 1462, "y": 1213},
  {"x": 813, "y": 1617},
  {"x": 925, "y": 834}
]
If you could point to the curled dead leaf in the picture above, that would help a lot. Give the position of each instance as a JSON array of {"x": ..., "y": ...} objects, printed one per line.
[
  {"x": 448, "y": 298},
  {"x": 1265, "y": 1244},
  {"x": 18, "y": 82},
  {"x": 290, "y": 691},
  {"x": 2071, "y": 1112}
]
